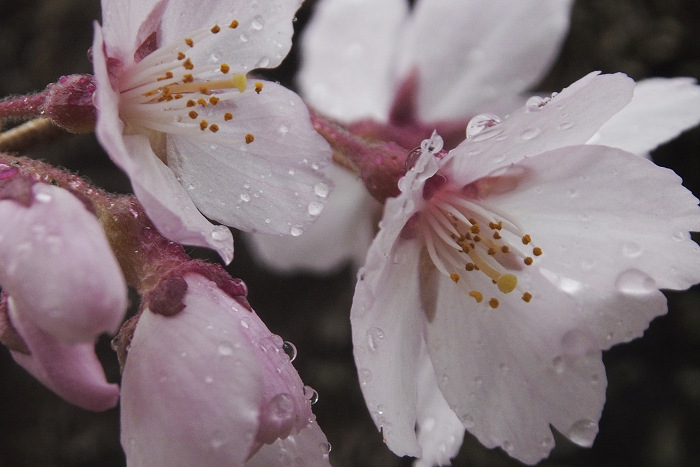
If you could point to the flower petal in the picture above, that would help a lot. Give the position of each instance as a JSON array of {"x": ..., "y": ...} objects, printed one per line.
[
  {"x": 58, "y": 266},
  {"x": 70, "y": 370},
  {"x": 342, "y": 233},
  {"x": 165, "y": 201},
  {"x": 440, "y": 432},
  {"x": 123, "y": 20},
  {"x": 348, "y": 48},
  {"x": 486, "y": 50},
  {"x": 309, "y": 447},
  {"x": 191, "y": 384},
  {"x": 568, "y": 118},
  {"x": 275, "y": 177},
  {"x": 522, "y": 367},
  {"x": 659, "y": 111},
  {"x": 262, "y": 38}
]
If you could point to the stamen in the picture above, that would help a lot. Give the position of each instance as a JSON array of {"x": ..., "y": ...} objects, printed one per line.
[
  {"x": 249, "y": 138},
  {"x": 234, "y": 24},
  {"x": 527, "y": 296},
  {"x": 225, "y": 68},
  {"x": 181, "y": 55},
  {"x": 228, "y": 116},
  {"x": 258, "y": 87},
  {"x": 493, "y": 303},
  {"x": 476, "y": 295},
  {"x": 189, "y": 42},
  {"x": 214, "y": 127},
  {"x": 215, "y": 29},
  {"x": 203, "y": 125},
  {"x": 454, "y": 277},
  {"x": 239, "y": 82}
]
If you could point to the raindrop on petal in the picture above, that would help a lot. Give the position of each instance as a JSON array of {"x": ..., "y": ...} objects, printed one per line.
[
  {"x": 311, "y": 394},
  {"x": 635, "y": 282},
  {"x": 375, "y": 338},
  {"x": 480, "y": 123},
  {"x": 322, "y": 189},
  {"x": 290, "y": 349},
  {"x": 583, "y": 432}
]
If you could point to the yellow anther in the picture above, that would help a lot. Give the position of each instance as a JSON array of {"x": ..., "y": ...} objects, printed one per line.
[
  {"x": 214, "y": 127},
  {"x": 527, "y": 296},
  {"x": 188, "y": 64},
  {"x": 168, "y": 75},
  {"x": 213, "y": 100},
  {"x": 202, "y": 102},
  {"x": 234, "y": 24},
  {"x": 249, "y": 138},
  {"x": 474, "y": 229},
  {"x": 528, "y": 260},
  {"x": 469, "y": 266},
  {"x": 526, "y": 239},
  {"x": 178, "y": 96},
  {"x": 204, "y": 90},
  {"x": 193, "y": 114},
  {"x": 491, "y": 251},
  {"x": 187, "y": 78},
  {"x": 203, "y": 125},
  {"x": 215, "y": 29},
  {"x": 497, "y": 235},
  {"x": 225, "y": 68},
  {"x": 455, "y": 277},
  {"x": 493, "y": 303},
  {"x": 258, "y": 87},
  {"x": 507, "y": 283},
  {"x": 476, "y": 296},
  {"x": 228, "y": 116},
  {"x": 505, "y": 249},
  {"x": 189, "y": 42},
  {"x": 191, "y": 103},
  {"x": 181, "y": 56},
  {"x": 537, "y": 251},
  {"x": 239, "y": 82}
]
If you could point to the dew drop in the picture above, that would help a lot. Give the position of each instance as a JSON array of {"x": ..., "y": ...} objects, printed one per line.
[
  {"x": 258, "y": 23},
  {"x": 43, "y": 197},
  {"x": 208, "y": 379},
  {"x": 365, "y": 376},
  {"x": 245, "y": 322},
  {"x": 322, "y": 189},
  {"x": 635, "y": 282},
  {"x": 530, "y": 133},
  {"x": 432, "y": 145},
  {"x": 263, "y": 62},
  {"x": 679, "y": 236},
  {"x": 244, "y": 38},
  {"x": 217, "y": 440},
  {"x": 583, "y": 432},
  {"x": 631, "y": 249},
  {"x": 283, "y": 129},
  {"x": 296, "y": 230},
  {"x": 311, "y": 394},
  {"x": 315, "y": 208},
  {"x": 245, "y": 197},
  {"x": 536, "y": 103},
  {"x": 279, "y": 410},
  {"x": 325, "y": 448},
  {"x": 225, "y": 349},
  {"x": 290, "y": 349},
  {"x": 375, "y": 338},
  {"x": 220, "y": 233},
  {"x": 480, "y": 123},
  {"x": 566, "y": 126}
]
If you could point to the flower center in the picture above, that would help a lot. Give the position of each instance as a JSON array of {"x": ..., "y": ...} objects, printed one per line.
[
  {"x": 464, "y": 237},
  {"x": 168, "y": 92}
]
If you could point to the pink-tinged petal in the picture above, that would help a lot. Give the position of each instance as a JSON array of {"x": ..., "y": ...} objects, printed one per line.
[
  {"x": 522, "y": 366},
  {"x": 70, "y": 370},
  {"x": 342, "y": 233},
  {"x": 348, "y": 51},
  {"x": 164, "y": 199},
  {"x": 58, "y": 266},
  {"x": 191, "y": 385},
  {"x": 590, "y": 210},
  {"x": 309, "y": 447},
  {"x": 271, "y": 185},
  {"x": 568, "y": 118},
  {"x": 207, "y": 386},
  {"x": 659, "y": 111},
  {"x": 486, "y": 50},
  {"x": 440, "y": 432},
  {"x": 127, "y": 23},
  {"x": 262, "y": 38}
]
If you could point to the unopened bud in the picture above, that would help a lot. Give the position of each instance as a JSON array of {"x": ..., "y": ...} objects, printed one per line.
[{"x": 69, "y": 103}]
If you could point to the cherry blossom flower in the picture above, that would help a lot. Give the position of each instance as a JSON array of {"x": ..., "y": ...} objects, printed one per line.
[
  {"x": 196, "y": 136},
  {"x": 211, "y": 385},
  {"x": 62, "y": 288},
  {"x": 519, "y": 257},
  {"x": 409, "y": 72}
]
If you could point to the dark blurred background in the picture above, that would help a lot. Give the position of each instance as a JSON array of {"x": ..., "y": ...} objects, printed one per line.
[{"x": 652, "y": 414}]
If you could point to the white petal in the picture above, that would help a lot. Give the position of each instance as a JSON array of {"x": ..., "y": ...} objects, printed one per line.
[
  {"x": 309, "y": 447},
  {"x": 58, "y": 266},
  {"x": 164, "y": 199},
  {"x": 484, "y": 50},
  {"x": 275, "y": 177},
  {"x": 440, "y": 432},
  {"x": 122, "y": 21},
  {"x": 521, "y": 367},
  {"x": 348, "y": 48},
  {"x": 342, "y": 233},
  {"x": 569, "y": 118},
  {"x": 659, "y": 111},
  {"x": 191, "y": 388}
]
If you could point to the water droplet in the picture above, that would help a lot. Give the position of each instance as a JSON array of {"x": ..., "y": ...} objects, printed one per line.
[
  {"x": 43, "y": 197},
  {"x": 258, "y": 23},
  {"x": 478, "y": 381},
  {"x": 432, "y": 145},
  {"x": 375, "y": 338},
  {"x": 365, "y": 376},
  {"x": 225, "y": 349},
  {"x": 220, "y": 233},
  {"x": 296, "y": 230},
  {"x": 244, "y": 38},
  {"x": 558, "y": 364},
  {"x": 263, "y": 62},
  {"x": 635, "y": 282},
  {"x": 583, "y": 432},
  {"x": 547, "y": 443},
  {"x": 480, "y": 123},
  {"x": 290, "y": 349},
  {"x": 530, "y": 133},
  {"x": 208, "y": 379},
  {"x": 380, "y": 409},
  {"x": 311, "y": 394},
  {"x": 315, "y": 208},
  {"x": 536, "y": 103},
  {"x": 322, "y": 189},
  {"x": 566, "y": 126},
  {"x": 325, "y": 448},
  {"x": 279, "y": 410},
  {"x": 283, "y": 129},
  {"x": 245, "y": 197},
  {"x": 632, "y": 249}
]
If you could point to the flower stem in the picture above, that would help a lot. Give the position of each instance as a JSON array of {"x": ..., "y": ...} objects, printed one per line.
[{"x": 23, "y": 106}]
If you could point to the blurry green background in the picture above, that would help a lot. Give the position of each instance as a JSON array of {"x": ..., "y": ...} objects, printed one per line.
[{"x": 652, "y": 414}]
